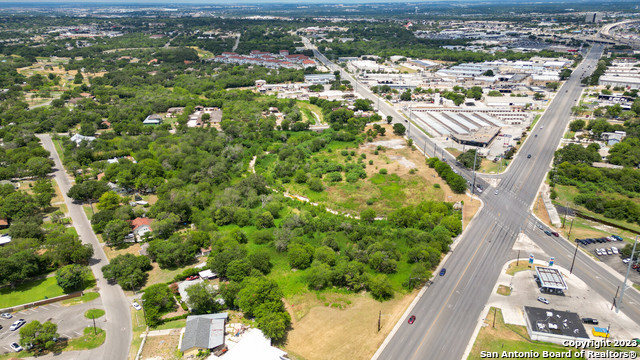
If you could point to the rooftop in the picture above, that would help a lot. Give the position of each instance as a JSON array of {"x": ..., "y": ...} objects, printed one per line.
[
  {"x": 551, "y": 278},
  {"x": 555, "y": 322}
]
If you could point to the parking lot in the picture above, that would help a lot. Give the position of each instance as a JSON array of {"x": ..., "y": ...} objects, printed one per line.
[
  {"x": 70, "y": 320},
  {"x": 612, "y": 257}
]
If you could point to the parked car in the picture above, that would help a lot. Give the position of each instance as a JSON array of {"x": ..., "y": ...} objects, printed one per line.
[
  {"x": 17, "y": 324},
  {"x": 6, "y": 316},
  {"x": 597, "y": 251},
  {"x": 412, "y": 319},
  {"x": 617, "y": 237},
  {"x": 590, "y": 321},
  {"x": 15, "y": 347},
  {"x": 609, "y": 252},
  {"x": 626, "y": 261},
  {"x": 614, "y": 250},
  {"x": 136, "y": 306},
  {"x": 194, "y": 277},
  {"x": 443, "y": 271},
  {"x": 543, "y": 300}
]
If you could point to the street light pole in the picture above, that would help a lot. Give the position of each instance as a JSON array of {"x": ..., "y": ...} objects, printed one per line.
[
  {"x": 624, "y": 283},
  {"x": 574, "y": 256}
]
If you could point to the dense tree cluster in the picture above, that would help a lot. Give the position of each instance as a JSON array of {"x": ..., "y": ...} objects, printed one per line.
[{"x": 456, "y": 182}]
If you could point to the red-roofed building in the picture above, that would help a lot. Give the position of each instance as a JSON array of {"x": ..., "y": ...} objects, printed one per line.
[{"x": 140, "y": 226}]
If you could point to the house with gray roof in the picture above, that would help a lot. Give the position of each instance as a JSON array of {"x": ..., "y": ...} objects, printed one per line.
[{"x": 203, "y": 332}]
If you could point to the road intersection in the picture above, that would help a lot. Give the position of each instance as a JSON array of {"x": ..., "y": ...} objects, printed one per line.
[{"x": 447, "y": 313}]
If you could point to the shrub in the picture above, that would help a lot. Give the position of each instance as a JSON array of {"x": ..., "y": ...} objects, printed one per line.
[{"x": 383, "y": 171}]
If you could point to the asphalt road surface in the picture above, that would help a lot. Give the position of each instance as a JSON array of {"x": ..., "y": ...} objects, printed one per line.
[
  {"x": 448, "y": 312},
  {"x": 118, "y": 316}
]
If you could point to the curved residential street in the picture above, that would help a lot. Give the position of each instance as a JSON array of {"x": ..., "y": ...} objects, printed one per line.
[{"x": 118, "y": 316}]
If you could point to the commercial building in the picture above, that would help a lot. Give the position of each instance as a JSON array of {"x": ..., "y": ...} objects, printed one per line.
[
  {"x": 593, "y": 17},
  {"x": 315, "y": 79},
  {"x": 553, "y": 326}
]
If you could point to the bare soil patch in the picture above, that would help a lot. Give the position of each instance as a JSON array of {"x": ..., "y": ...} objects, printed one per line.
[
  {"x": 161, "y": 347},
  {"x": 541, "y": 211}
]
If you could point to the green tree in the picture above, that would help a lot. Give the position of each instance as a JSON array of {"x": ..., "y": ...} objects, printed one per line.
[
  {"x": 115, "y": 232},
  {"x": 71, "y": 277},
  {"x": 300, "y": 255},
  {"x": 264, "y": 220},
  {"x": 368, "y": 215},
  {"x": 576, "y": 125},
  {"x": 467, "y": 159},
  {"x": 43, "y": 192},
  {"x": 39, "y": 167},
  {"x": 380, "y": 287},
  {"x": 109, "y": 201},
  {"x": 159, "y": 298},
  {"x": 202, "y": 298},
  {"x": 261, "y": 261},
  {"x": 77, "y": 79},
  {"x": 399, "y": 129},
  {"x": 127, "y": 270},
  {"x": 239, "y": 269},
  {"x": 389, "y": 119},
  {"x": 39, "y": 335}
]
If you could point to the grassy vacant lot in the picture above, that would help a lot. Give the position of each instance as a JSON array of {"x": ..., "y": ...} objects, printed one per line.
[
  {"x": 342, "y": 326},
  {"x": 174, "y": 324},
  {"x": 161, "y": 347},
  {"x": 566, "y": 194},
  {"x": 490, "y": 167},
  {"x": 506, "y": 337},
  {"x": 30, "y": 291},
  {"x": 37, "y": 289},
  {"x": 309, "y": 110},
  {"x": 408, "y": 180}
]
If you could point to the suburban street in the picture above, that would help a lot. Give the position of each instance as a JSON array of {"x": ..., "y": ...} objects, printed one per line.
[
  {"x": 118, "y": 318},
  {"x": 448, "y": 312}
]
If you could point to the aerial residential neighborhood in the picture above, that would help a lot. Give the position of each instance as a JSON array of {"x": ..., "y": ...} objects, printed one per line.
[{"x": 355, "y": 180}]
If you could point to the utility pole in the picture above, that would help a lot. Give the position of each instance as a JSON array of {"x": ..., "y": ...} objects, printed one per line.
[
  {"x": 95, "y": 332},
  {"x": 473, "y": 187},
  {"x": 570, "y": 227},
  {"x": 518, "y": 259},
  {"x": 624, "y": 283},
  {"x": 379, "y": 316},
  {"x": 614, "y": 298},
  {"x": 574, "y": 256}
]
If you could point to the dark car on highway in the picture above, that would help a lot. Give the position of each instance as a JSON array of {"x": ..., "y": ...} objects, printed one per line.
[
  {"x": 412, "y": 319},
  {"x": 547, "y": 232},
  {"x": 590, "y": 321},
  {"x": 443, "y": 271},
  {"x": 554, "y": 233}
]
